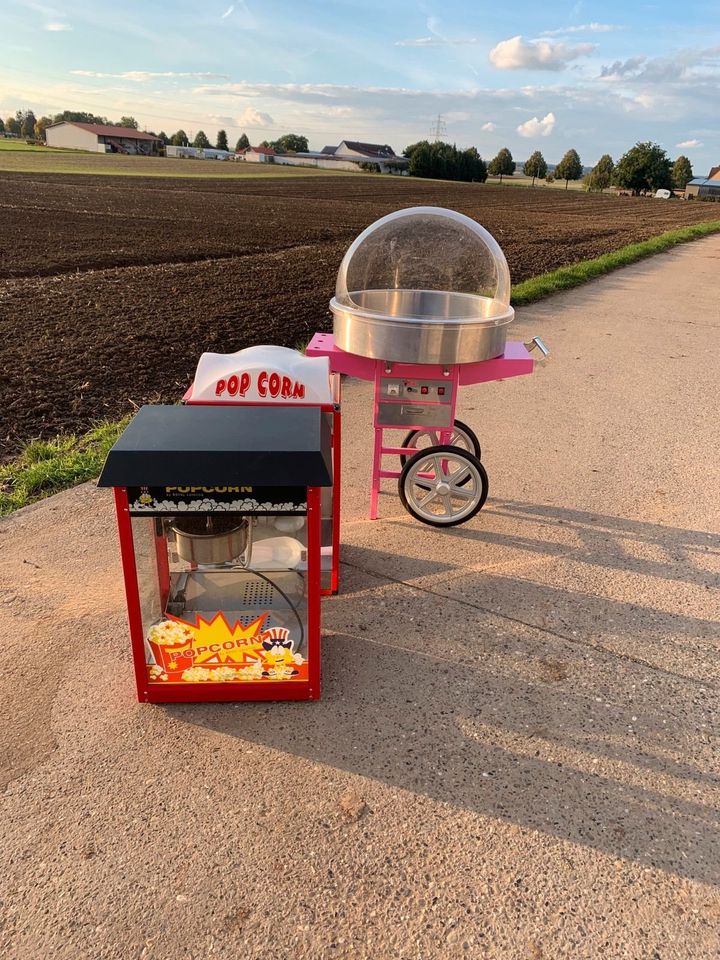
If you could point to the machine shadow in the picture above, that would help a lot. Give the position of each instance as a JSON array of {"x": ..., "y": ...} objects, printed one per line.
[
  {"x": 613, "y": 542},
  {"x": 443, "y": 721},
  {"x": 491, "y": 744}
]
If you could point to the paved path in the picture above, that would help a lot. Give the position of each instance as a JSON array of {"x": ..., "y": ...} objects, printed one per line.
[{"x": 527, "y": 705}]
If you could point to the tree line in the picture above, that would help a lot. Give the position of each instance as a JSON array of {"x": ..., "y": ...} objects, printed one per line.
[
  {"x": 645, "y": 167},
  {"x": 25, "y": 124}
]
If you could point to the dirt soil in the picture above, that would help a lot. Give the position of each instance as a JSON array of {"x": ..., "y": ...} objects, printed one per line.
[{"x": 110, "y": 288}]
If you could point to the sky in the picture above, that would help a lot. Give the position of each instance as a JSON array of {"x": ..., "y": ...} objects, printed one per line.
[{"x": 595, "y": 76}]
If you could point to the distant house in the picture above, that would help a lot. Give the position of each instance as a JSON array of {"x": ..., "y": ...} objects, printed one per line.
[
  {"x": 198, "y": 153},
  {"x": 101, "y": 138},
  {"x": 366, "y": 151},
  {"x": 702, "y": 187},
  {"x": 257, "y": 154},
  {"x": 381, "y": 154}
]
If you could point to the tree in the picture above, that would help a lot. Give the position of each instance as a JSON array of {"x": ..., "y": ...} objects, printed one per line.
[
  {"x": 681, "y": 172},
  {"x": 443, "y": 161},
  {"x": 27, "y": 128},
  {"x": 13, "y": 125},
  {"x": 421, "y": 159},
  {"x": 502, "y": 165},
  {"x": 80, "y": 116},
  {"x": 201, "y": 140},
  {"x": 2, "y": 126},
  {"x": 535, "y": 166},
  {"x": 243, "y": 143},
  {"x": 179, "y": 139},
  {"x": 164, "y": 137},
  {"x": 129, "y": 122},
  {"x": 645, "y": 166},
  {"x": 602, "y": 173},
  {"x": 569, "y": 168},
  {"x": 291, "y": 143},
  {"x": 221, "y": 142},
  {"x": 41, "y": 126}
]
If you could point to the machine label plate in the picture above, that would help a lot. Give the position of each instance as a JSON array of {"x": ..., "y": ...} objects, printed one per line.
[
  {"x": 391, "y": 414},
  {"x": 216, "y": 499}
]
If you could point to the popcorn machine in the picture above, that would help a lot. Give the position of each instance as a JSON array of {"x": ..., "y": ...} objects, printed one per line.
[{"x": 219, "y": 519}]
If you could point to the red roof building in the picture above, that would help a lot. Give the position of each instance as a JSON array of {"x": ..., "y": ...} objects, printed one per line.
[{"x": 100, "y": 138}]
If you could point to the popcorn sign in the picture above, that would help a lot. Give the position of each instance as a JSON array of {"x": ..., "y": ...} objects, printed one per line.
[
  {"x": 262, "y": 374},
  {"x": 265, "y": 384},
  {"x": 215, "y": 650}
]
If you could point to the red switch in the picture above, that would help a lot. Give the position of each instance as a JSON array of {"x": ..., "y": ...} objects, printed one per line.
[
  {"x": 423, "y": 389},
  {"x": 441, "y": 391}
]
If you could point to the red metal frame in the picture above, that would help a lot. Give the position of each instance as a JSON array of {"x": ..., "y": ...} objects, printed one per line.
[
  {"x": 132, "y": 593},
  {"x": 200, "y": 692},
  {"x": 334, "y": 410}
]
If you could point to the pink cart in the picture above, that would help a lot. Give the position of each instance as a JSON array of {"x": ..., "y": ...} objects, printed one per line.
[{"x": 421, "y": 308}]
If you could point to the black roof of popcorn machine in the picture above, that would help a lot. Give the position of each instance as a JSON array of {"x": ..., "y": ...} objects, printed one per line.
[{"x": 272, "y": 446}]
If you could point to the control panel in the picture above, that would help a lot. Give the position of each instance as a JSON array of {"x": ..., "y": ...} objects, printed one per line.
[
  {"x": 438, "y": 391},
  {"x": 411, "y": 402}
]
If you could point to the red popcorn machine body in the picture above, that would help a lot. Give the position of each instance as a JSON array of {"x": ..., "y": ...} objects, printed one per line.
[{"x": 219, "y": 513}]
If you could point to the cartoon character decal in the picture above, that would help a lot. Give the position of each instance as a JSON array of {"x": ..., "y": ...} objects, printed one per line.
[{"x": 279, "y": 659}]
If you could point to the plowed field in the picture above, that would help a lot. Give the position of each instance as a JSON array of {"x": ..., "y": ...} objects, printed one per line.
[{"x": 110, "y": 288}]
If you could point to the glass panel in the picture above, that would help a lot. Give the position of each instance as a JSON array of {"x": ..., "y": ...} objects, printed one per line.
[{"x": 223, "y": 597}]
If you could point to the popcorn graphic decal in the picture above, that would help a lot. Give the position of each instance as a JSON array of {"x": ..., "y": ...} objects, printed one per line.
[{"x": 215, "y": 651}]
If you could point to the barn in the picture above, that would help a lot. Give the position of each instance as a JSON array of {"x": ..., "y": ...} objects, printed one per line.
[
  {"x": 704, "y": 187},
  {"x": 100, "y": 138}
]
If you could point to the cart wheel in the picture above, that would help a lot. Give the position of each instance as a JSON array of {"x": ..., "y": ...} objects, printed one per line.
[
  {"x": 443, "y": 485},
  {"x": 462, "y": 436}
]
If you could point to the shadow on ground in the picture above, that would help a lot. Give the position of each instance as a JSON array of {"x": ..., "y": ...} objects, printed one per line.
[{"x": 487, "y": 716}]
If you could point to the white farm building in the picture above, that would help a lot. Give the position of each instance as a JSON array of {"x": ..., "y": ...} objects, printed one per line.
[{"x": 100, "y": 138}]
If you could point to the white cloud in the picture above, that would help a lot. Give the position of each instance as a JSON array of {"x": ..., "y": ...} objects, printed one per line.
[
  {"x": 489, "y": 126},
  {"x": 519, "y": 54},
  {"x": 537, "y": 128},
  {"x": 57, "y": 27},
  {"x": 228, "y": 12},
  {"x": 583, "y": 28},
  {"x": 622, "y": 68},
  {"x": 690, "y": 65},
  {"x": 250, "y": 117},
  {"x": 141, "y": 76},
  {"x": 437, "y": 41},
  {"x": 689, "y": 144}
]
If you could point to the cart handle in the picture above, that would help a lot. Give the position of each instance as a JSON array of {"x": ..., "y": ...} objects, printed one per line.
[{"x": 536, "y": 342}]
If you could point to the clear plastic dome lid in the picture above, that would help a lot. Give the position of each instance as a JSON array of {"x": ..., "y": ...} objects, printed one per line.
[{"x": 424, "y": 264}]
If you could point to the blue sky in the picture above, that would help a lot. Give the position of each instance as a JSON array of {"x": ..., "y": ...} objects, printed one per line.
[{"x": 549, "y": 76}]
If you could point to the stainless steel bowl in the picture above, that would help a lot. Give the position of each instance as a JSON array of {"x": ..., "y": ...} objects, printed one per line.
[
  {"x": 421, "y": 326},
  {"x": 210, "y": 539}
]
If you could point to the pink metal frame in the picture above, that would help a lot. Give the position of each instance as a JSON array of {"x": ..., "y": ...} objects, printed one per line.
[{"x": 516, "y": 361}]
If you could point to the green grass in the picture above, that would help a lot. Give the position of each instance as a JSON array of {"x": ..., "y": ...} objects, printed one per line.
[
  {"x": 18, "y": 157},
  {"x": 19, "y": 146},
  {"x": 536, "y": 288},
  {"x": 47, "y": 466}
]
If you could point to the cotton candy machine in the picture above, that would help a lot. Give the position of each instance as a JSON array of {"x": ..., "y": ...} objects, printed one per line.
[{"x": 422, "y": 307}]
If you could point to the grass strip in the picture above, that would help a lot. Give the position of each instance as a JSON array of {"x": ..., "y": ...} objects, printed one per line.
[
  {"x": 566, "y": 277},
  {"x": 47, "y": 466}
]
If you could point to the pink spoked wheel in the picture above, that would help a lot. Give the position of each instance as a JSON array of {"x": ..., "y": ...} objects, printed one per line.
[{"x": 443, "y": 485}]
